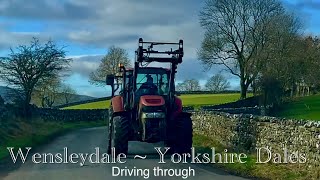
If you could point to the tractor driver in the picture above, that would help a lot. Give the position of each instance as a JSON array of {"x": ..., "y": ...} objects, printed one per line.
[
  {"x": 147, "y": 88},
  {"x": 149, "y": 83}
]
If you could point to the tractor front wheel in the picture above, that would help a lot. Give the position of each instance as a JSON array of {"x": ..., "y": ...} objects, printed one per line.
[
  {"x": 119, "y": 135},
  {"x": 184, "y": 134}
]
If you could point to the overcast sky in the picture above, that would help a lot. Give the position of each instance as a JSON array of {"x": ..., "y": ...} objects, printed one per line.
[{"x": 88, "y": 28}]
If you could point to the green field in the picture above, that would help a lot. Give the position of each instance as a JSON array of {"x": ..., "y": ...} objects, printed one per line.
[
  {"x": 188, "y": 100},
  {"x": 94, "y": 105},
  {"x": 302, "y": 108},
  {"x": 208, "y": 99}
]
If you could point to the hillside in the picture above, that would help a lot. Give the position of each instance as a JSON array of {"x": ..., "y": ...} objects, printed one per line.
[
  {"x": 60, "y": 100},
  {"x": 8, "y": 95},
  {"x": 92, "y": 105}
]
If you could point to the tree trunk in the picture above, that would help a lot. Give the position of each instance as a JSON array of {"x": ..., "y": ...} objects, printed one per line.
[
  {"x": 26, "y": 105},
  {"x": 51, "y": 102},
  {"x": 254, "y": 88},
  {"x": 43, "y": 104},
  {"x": 292, "y": 90},
  {"x": 244, "y": 89}
]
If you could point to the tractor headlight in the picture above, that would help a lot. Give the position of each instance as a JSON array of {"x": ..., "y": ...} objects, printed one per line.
[{"x": 153, "y": 115}]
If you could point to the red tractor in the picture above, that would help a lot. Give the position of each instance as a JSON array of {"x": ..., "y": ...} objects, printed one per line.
[{"x": 147, "y": 108}]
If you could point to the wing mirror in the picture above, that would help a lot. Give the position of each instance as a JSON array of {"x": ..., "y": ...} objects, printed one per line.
[{"x": 110, "y": 79}]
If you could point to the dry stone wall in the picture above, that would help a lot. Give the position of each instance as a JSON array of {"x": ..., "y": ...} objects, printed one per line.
[
  {"x": 73, "y": 115},
  {"x": 245, "y": 133}
]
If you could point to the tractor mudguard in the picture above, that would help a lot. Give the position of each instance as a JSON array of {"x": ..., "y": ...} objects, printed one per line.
[
  {"x": 117, "y": 104},
  {"x": 178, "y": 107}
]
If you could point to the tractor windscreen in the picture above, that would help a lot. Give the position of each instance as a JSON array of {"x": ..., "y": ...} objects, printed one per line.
[{"x": 152, "y": 81}]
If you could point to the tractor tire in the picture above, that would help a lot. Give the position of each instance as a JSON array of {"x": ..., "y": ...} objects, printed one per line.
[
  {"x": 109, "y": 131},
  {"x": 119, "y": 135},
  {"x": 184, "y": 134}
]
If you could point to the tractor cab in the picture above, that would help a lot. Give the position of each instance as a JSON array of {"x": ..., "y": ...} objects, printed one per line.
[
  {"x": 149, "y": 81},
  {"x": 146, "y": 108},
  {"x": 152, "y": 81}
]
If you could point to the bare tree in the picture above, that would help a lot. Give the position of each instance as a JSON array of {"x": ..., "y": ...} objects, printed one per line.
[
  {"x": 181, "y": 87},
  {"x": 189, "y": 85},
  {"x": 311, "y": 64},
  {"x": 192, "y": 85},
  {"x": 49, "y": 91},
  {"x": 291, "y": 69},
  {"x": 235, "y": 34},
  {"x": 67, "y": 92},
  {"x": 28, "y": 65},
  {"x": 109, "y": 65},
  {"x": 217, "y": 83}
]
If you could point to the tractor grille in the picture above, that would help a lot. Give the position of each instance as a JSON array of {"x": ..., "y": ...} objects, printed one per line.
[
  {"x": 152, "y": 130},
  {"x": 153, "y": 109}
]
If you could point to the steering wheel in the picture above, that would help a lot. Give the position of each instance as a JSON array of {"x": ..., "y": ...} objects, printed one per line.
[{"x": 149, "y": 88}]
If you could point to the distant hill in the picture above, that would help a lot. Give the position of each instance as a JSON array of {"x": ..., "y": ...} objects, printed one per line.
[
  {"x": 74, "y": 98},
  {"x": 8, "y": 95}
]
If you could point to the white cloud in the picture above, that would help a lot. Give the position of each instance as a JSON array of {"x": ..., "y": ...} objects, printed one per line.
[
  {"x": 12, "y": 39},
  {"x": 110, "y": 22},
  {"x": 102, "y": 23},
  {"x": 85, "y": 64}
]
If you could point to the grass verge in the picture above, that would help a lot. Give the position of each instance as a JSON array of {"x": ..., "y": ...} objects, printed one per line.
[
  {"x": 251, "y": 169},
  {"x": 302, "y": 108},
  {"x": 38, "y": 132}
]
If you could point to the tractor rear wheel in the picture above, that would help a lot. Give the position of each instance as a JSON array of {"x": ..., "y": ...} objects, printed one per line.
[
  {"x": 119, "y": 135},
  {"x": 184, "y": 134}
]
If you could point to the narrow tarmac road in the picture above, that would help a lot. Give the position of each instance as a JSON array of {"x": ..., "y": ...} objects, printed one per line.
[{"x": 85, "y": 141}]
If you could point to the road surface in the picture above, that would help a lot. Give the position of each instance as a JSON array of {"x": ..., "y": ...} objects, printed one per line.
[{"x": 85, "y": 141}]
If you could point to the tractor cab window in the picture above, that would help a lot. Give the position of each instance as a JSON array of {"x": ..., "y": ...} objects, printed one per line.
[{"x": 152, "y": 83}]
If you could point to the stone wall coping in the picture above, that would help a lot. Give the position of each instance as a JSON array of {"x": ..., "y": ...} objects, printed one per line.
[{"x": 270, "y": 119}]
